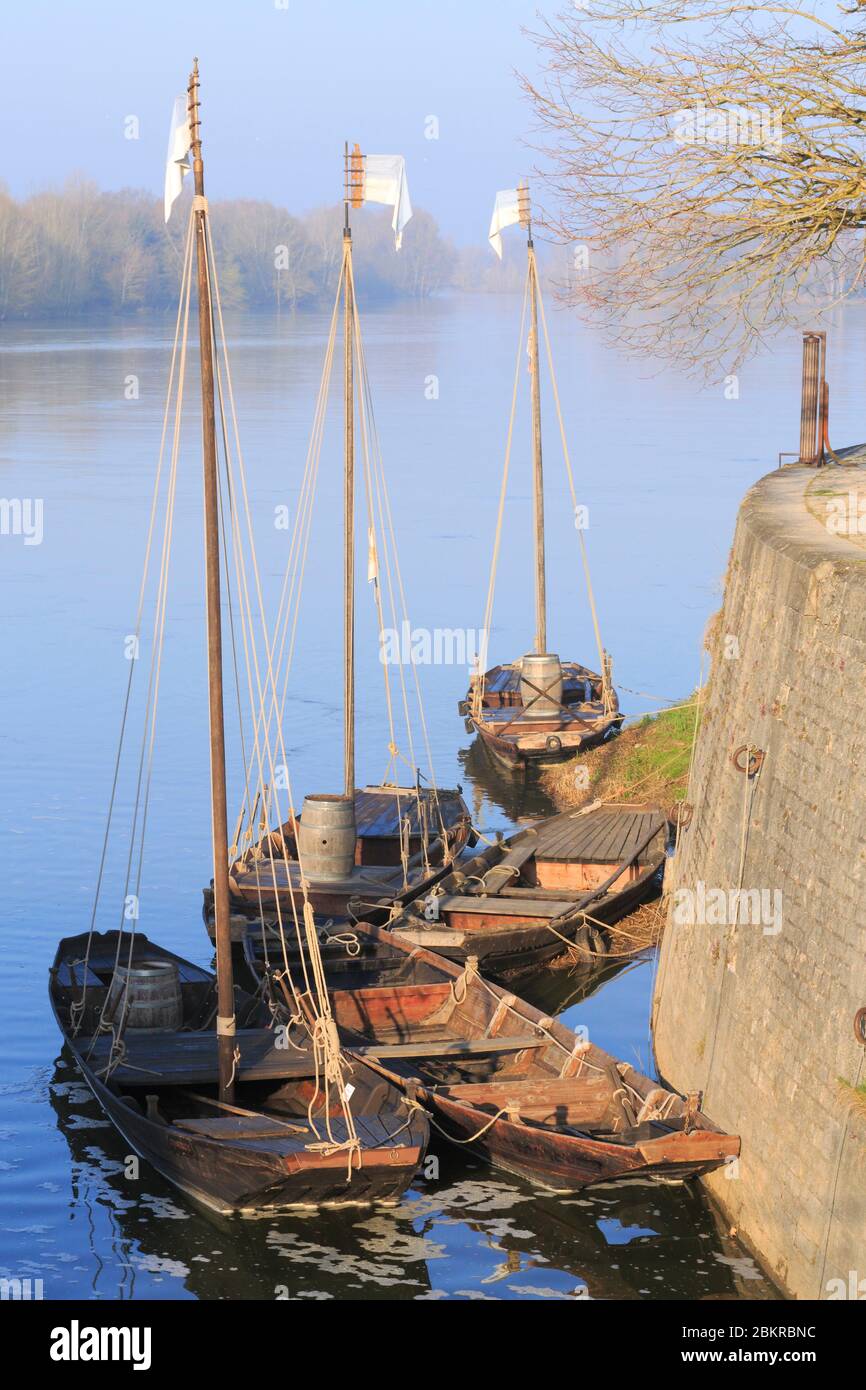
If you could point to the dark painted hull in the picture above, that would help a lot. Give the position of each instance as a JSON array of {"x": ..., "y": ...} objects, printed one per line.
[
  {"x": 513, "y": 934},
  {"x": 534, "y": 743},
  {"x": 508, "y": 954},
  {"x": 269, "y": 877},
  {"x": 514, "y": 758},
  {"x": 228, "y": 1179},
  {"x": 259, "y": 1158},
  {"x": 566, "y": 1163},
  {"x": 518, "y": 1088}
]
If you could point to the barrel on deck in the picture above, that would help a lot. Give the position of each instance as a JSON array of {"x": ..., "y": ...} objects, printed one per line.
[
  {"x": 326, "y": 837},
  {"x": 541, "y": 672},
  {"x": 148, "y": 995}
]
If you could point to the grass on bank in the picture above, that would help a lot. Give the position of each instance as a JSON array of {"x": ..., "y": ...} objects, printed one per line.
[
  {"x": 853, "y": 1096},
  {"x": 648, "y": 761}
]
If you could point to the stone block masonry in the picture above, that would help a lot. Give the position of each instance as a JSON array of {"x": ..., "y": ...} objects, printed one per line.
[{"x": 759, "y": 1013}]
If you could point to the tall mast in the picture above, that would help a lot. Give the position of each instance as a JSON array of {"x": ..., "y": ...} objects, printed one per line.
[
  {"x": 225, "y": 981},
  {"x": 538, "y": 474},
  {"x": 353, "y": 196}
]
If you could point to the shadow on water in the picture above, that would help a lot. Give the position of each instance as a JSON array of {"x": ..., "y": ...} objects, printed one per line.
[
  {"x": 556, "y": 989},
  {"x": 490, "y": 789},
  {"x": 464, "y": 1230}
]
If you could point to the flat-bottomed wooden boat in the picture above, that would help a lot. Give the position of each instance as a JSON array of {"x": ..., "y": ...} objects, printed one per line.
[
  {"x": 390, "y": 823},
  {"x": 188, "y": 1068},
  {"x": 279, "y": 1145},
  {"x": 515, "y": 736},
  {"x": 533, "y": 896},
  {"x": 538, "y": 710},
  {"x": 522, "y": 1090}
]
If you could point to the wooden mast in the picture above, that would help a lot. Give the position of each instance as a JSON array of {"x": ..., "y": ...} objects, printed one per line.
[
  {"x": 225, "y": 1024},
  {"x": 353, "y": 192},
  {"x": 538, "y": 474}
]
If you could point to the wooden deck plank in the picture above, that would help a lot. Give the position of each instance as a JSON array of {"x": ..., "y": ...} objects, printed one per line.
[
  {"x": 186, "y": 1059},
  {"x": 622, "y": 837},
  {"x": 506, "y": 907},
  {"x": 579, "y": 841},
  {"x": 604, "y": 849}
]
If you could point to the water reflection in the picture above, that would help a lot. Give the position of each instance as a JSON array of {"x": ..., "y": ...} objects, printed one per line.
[
  {"x": 462, "y": 1231},
  {"x": 491, "y": 793},
  {"x": 70, "y": 435}
]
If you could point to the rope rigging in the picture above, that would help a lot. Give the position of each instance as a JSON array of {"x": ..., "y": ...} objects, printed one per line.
[
  {"x": 253, "y": 663},
  {"x": 532, "y": 295}
]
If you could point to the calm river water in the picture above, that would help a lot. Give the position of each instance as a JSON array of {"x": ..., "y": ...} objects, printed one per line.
[{"x": 661, "y": 467}]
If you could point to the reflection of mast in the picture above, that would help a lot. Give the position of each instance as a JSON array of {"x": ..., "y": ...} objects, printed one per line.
[
  {"x": 225, "y": 1024},
  {"x": 537, "y": 470}
]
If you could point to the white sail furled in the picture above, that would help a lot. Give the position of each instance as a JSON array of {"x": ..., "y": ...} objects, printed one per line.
[
  {"x": 385, "y": 182},
  {"x": 177, "y": 158},
  {"x": 506, "y": 211}
]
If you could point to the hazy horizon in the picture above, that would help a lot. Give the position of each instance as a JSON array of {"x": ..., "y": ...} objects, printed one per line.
[{"x": 282, "y": 88}]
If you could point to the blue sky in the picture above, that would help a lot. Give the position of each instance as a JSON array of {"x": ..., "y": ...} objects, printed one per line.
[{"x": 281, "y": 89}]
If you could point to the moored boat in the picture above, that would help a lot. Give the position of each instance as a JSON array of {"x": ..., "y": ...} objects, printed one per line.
[
  {"x": 395, "y": 857},
  {"x": 517, "y": 733},
  {"x": 387, "y": 842},
  {"x": 282, "y": 1143},
  {"x": 518, "y": 1087},
  {"x": 188, "y": 1068},
  {"x": 538, "y": 710},
  {"x": 552, "y": 887}
]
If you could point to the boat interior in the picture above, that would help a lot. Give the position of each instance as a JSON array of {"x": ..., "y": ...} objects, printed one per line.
[
  {"x": 171, "y": 1075},
  {"x": 487, "y": 1049}
]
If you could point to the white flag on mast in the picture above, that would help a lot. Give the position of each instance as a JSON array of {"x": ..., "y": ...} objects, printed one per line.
[
  {"x": 176, "y": 160},
  {"x": 506, "y": 211},
  {"x": 385, "y": 182},
  {"x": 372, "y": 557}
]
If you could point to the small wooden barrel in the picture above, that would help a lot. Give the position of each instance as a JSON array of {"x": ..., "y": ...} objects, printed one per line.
[
  {"x": 326, "y": 837},
  {"x": 149, "y": 995},
  {"x": 541, "y": 671}
]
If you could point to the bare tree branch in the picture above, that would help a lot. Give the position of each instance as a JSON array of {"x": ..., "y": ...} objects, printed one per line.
[{"x": 711, "y": 156}]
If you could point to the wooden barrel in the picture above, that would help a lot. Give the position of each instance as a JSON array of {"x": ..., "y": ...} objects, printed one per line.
[
  {"x": 541, "y": 671},
  {"x": 326, "y": 837},
  {"x": 148, "y": 993}
]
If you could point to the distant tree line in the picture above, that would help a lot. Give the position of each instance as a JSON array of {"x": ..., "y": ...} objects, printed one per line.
[{"x": 77, "y": 250}]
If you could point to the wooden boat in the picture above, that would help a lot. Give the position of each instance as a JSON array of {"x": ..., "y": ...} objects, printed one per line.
[
  {"x": 525, "y": 900},
  {"x": 385, "y": 843},
  {"x": 538, "y": 710},
  {"x": 187, "y": 1068},
  {"x": 281, "y": 1144},
  {"x": 100, "y": 1188},
  {"x": 517, "y": 737},
  {"x": 514, "y": 1085},
  {"x": 536, "y": 894},
  {"x": 389, "y": 821}
]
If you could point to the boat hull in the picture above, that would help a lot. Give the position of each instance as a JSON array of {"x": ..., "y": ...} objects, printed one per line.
[
  {"x": 516, "y": 1087},
  {"x": 564, "y": 1163},
  {"x": 263, "y": 1154},
  {"x": 518, "y": 741},
  {"x": 389, "y": 826},
  {"x": 533, "y": 913},
  {"x": 250, "y": 1183},
  {"x": 516, "y": 755}
]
